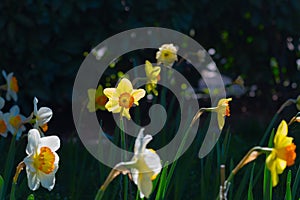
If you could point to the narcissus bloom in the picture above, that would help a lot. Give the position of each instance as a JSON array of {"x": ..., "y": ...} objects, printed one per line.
[
  {"x": 283, "y": 153},
  {"x": 12, "y": 86},
  {"x": 153, "y": 77},
  {"x": 42, "y": 160},
  {"x": 42, "y": 115},
  {"x": 97, "y": 99},
  {"x": 167, "y": 55},
  {"x": 15, "y": 121},
  {"x": 122, "y": 98},
  {"x": 3, "y": 125},
  {"x": 222, "y": 110},
  {"x": 144, "y": 166}
]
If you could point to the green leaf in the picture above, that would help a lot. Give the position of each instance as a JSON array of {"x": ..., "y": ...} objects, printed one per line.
[
  {"x": 250, "y": 193},
  {"x": 30, "y": 197},
  {"x": 288, "y": 193},
  {"x": 296, "y": 183},
  {"x": 1, "y": 185},
  {"x": 162, "y": 182}
]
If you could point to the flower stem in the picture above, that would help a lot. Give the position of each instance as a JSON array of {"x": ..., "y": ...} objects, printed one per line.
[{"x": 123, "y": 145}]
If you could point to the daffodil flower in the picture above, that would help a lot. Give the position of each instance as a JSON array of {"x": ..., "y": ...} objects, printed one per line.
[
  {"x": 3, "y": 125},
  {"x": 222, "y": 110},
  {"x": 167, "y": 55},
  {"x": 153, "y": 77},
  {"x": 122, "y": 98},
  {"x": 283, "y": 154},
  {"x": 144, "y": 166},
  {"x": 97, "y": 99},
  {"x": 15, "y": 121},
  {"x": 42, "y": 116},
  {"x": 42, "y": 160},
  {"x": 11, "y": 87}
]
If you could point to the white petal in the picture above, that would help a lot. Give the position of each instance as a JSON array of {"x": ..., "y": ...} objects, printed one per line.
[
  {"x": 47, "y": 180},
  {"x": 15, "y": 110},
  {"x": 2, "y": 103},
  {"x": 53, "y": 142},
  {"x": 35, "y": 101},
  {"x": 29, "y": 163},
  {"x": 44, "y": 114},
  {"x": 152, "y": 160},
  {"x": 33, "y": 141},
  {"x": 145, "y": 184},
  {"x": 33, "y": 181},
  {"x": 141, "y": 142}
]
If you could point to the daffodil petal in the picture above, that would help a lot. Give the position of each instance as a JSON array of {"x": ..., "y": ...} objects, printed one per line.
[
  {"x": 110, "y": 93},
  {"x": 125, "y": 113},
  {"x": 145, "y": 184},
  {"x": 137, "y": 95},
  {"x": 33, "y": 141},
  {"x": 148, "y": 68},
  {"x": 152, "y": 161},
  {"x": 99, "y": 90},
  {"x": 52, "y": 142},
  {"x": 44, "y": 114},
  {"x": 221, "y": 120},
  {"x": 33, "y": 181},
  {"x": 155, "y": 72},
  {"x": 47, "y": 180},
  {"x": 281, "y": 140},
  {"x": 124, "y": 86}
]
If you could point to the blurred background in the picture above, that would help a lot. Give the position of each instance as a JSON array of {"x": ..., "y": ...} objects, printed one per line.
[{"x": 44, "y": 43}]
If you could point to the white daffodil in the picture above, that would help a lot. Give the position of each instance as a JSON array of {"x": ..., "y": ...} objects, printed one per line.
[
  {"x": 15, "y": 121},
  {"x": 42, "y": 160},
  {"x": 3, "y": 125},
  {"x": 12, "y": 86},
  {"x": 42, "y": 116},
  {"x": 144, "y": 166},
  {"x": 167, "y": 55}
]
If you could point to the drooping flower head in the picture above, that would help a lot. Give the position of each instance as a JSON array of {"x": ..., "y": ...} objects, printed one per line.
[
  {"x": 12, "y": 86},
  {"x": 122, "y": 98},
  {"x": 3, "y": 125},
  {"x": 167, "y": 55},
  {"x": 222, "y": 110},
  {"x": 97, "y": 99},
  {"x": 144, "y": 166},
  {"x": 283, "y": 153},
  {"x": 42, "y": 160},
  {"x": 42, "y": 116},
  {"x": 15, "y": 121},
  {"x": 153, "y": 77}
]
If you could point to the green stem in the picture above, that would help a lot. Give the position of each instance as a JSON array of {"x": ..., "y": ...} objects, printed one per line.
[
  {"x": 9, "y": 165},
  {"x": 123, "y": 145},
  {"x": 12, "y": 191},
  {"x": 99, "y": 194}
]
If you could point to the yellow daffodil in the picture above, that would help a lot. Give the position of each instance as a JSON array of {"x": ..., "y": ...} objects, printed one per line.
[
  {"x": 222, "y": 110},
  {"x": 167, "y": 55},
  {"x": 42, "y": 160},
  {"x": 15, "y": 121},
  {"x": 283, "y": 154},
  {"x": 3, "y": 125},
  {"x": 153, "y": 77},
  {"x": 122, "y": 98},
  {"x": 97, "y": 99},
  {"x": 12, "y": 86},
  {"x": 144, "y": 166},
  {"x": 42, "y": 116}
]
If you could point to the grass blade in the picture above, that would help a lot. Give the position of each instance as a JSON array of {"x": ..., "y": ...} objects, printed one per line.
[
  {"x": 1, "y": 185},
  {"x": 30, "y": 197},
  {"x": 288, "y": 193},
  {"x": 296, "y": 183},
  {"x": 250, "y": 193}
]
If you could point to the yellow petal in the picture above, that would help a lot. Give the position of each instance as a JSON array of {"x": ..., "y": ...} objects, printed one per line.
[
  {"x": 113, "y": 106},
  {"x": 91, "y": 103},
  {"x": 221, "y": 120},
  {"x": 148, "y": 68},
  {"x": 110, "y": 93},
  {"x": 155, "y": 72},
  {"x": 124, "y": 86},
  {"x": 137, "y": 95},
  {"x": 125, "y": 113},
  {"x": 281, "y": 140}
]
